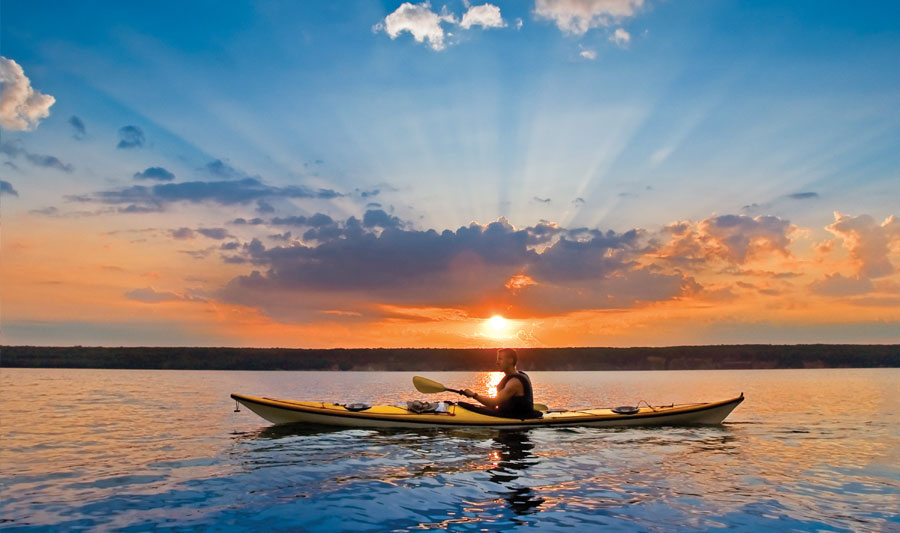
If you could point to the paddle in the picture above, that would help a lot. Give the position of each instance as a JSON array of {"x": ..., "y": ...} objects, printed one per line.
[{"x": 428, "y": 386}]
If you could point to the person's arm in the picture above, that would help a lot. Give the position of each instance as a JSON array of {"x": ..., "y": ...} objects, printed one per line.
[{"x": 513, "y": 388}]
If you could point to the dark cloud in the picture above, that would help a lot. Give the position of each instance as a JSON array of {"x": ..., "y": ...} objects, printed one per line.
[
  {"x": 373, "y": 205},
  {"x": 252, "y": 222},
  {"x": 803, "y": 195},
  {"x": 154, "y": 173},
  {"x": 264, "y": 207},
  {"x": 14, "y": 149},
  {"x": 182, "y": 233},
  {"x": 130, "y": 137},
  {"x": 368, "y": 194},
  {"x": 79, "y": 131},
  {"x": 151, "y": 296},
  {"x": 233, "y": 245},
  {"x": 221, "y": 169},
  {"x": 7, "y": 188},
  {"x": 139, "y": 209},
  {"x": 288, "y": 221},
  {"x": 541, "y": 200},
  {"x": 49, "y": 211},
  {"x": 188, "y": 233},
  {"x": 286, "y": 236},
  {"x": 214, "y": 233},
  {"x": 379, "y": 219},
  {"x": 470, "y": 267},
  {"x": 221, "y": 192}
]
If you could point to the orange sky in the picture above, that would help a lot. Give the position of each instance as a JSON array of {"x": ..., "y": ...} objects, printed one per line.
[{"x": 68, "y": 281}]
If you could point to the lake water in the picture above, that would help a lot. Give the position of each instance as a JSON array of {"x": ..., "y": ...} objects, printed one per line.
[{"x": 142, "y": 450}]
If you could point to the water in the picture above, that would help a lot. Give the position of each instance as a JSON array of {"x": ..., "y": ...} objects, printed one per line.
[{"x": 141, "y": 450}]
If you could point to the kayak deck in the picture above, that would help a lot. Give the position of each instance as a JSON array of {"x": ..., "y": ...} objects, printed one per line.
[{"x": 387, "y": 416}]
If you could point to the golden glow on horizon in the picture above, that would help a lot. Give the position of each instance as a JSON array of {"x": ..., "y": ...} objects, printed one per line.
[{"x": 498, "y": 323}]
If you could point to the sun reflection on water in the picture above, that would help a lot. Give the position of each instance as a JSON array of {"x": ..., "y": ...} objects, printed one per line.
[{"x": 489, "y": 382}]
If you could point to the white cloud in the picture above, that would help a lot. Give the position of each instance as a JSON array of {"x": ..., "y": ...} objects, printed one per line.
[
  {"x": 426, "y": 25},
  {"x": 620, "y": 37},
  {"x": 485, "y": 15},
  {"x": 589, "y": 54},
  {"x": 21, "y": 107},
  {"x": 419, "y": 20},
  {"x": 579, "y": 16},
  {"x": 519, "y": 24},
  {"x": 870, "y": 244}
]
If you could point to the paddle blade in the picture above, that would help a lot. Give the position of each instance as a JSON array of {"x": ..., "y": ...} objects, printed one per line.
[
  {"x": 541, "y": 407},
  {"x": 427, "y": 386}
]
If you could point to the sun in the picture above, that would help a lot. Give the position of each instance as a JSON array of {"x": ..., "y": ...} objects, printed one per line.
[{"x": 497, "y": 323}]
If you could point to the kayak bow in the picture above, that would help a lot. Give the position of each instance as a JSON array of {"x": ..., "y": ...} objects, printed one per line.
[{"x": 387, "y": 416}]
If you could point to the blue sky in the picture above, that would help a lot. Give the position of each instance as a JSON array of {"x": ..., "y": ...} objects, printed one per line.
[{"x": 659, "y": 111}]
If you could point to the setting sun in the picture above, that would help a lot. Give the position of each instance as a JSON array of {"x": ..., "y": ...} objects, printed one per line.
[{"x": 498, "y": 323}]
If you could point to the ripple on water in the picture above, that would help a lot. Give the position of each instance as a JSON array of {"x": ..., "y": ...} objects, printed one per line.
[{"x": 807, "y": 450}]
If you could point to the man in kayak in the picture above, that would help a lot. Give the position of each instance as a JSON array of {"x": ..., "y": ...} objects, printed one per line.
[{"x": 515, "y": 396}]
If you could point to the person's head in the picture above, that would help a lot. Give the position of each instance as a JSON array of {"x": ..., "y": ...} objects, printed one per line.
[{"x": 507, "y": 359}]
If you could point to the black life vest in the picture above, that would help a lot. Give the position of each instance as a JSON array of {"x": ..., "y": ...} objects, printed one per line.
[{"x": 518, "y": 406}]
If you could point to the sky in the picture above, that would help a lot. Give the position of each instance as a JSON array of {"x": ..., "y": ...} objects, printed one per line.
[{"x": 461, "y": 174}]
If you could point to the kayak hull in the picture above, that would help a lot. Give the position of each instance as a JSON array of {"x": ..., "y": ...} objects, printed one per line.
[{"x": 328, "y": 414}]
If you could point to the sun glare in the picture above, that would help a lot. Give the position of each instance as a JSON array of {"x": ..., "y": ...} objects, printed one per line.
[{"x": 497, "y": 323}]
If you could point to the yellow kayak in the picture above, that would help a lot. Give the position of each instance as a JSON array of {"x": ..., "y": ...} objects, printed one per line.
[{"x": 387, "y": 416}]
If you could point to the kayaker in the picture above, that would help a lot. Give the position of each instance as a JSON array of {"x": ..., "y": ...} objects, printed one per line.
[{"x": 515, "y": 396}]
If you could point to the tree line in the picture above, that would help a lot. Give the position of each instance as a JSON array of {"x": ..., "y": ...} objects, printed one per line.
[{"x": 448, "y": 359}]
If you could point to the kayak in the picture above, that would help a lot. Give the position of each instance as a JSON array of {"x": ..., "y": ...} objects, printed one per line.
[{"x": 455, "y": 415}]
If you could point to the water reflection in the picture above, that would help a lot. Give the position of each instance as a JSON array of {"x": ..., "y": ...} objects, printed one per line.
[{"x": 512, "y": 455}]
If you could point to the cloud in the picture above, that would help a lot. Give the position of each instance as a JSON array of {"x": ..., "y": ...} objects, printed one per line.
[
  {"x": 214, "y": 233},
  {"x": 588, "y": 54},
  {"x": 252, "y": 222},
  {"x": 7, "y": 188},
  {"x": 869, "y": 243},
  {"x": 578, "y": 16},
  {"x": 838, "y": 285},
  {"x": 230, "y": 192},
  {"x": 14, "y": 150},
  {"x": 150, "y": 295},
  {"x": 732, "y": 238},
  {"x": 154, "y": 173},
  {"x": 426, "y": 25},
  {"x": 188, "y": 233},
  {"x": 264, "y": 207},
  {"x": 78, "y": 126},
  {"x": 620, "y": 37},
  {"x": 21, "y": 106},
  {"x": 419, "y": 20},
  {"x": 221, "y": 169},
  {"x": 803, "y": 195},
  {"x": 130, "y": 137},
  {"x": 376, "y": 218},
  {"x": 182, "y": 233},
  {"x": 286, "y": 236},
  {"x": 485, "y": 15},
  {"x": 470, "y": 267},
  {"x": 541, "y": 200}
]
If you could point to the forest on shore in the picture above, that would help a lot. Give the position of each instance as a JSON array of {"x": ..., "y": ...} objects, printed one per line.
[{"x": 744, "y": 356}]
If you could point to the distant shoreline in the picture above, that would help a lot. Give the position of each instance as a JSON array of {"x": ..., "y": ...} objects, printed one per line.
[{"x": 719, "y": 357}]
